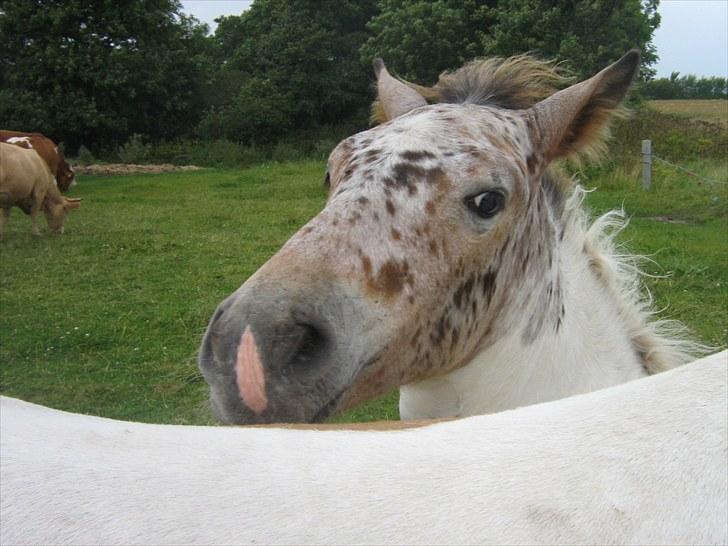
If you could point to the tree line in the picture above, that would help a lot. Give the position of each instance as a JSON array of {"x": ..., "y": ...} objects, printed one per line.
[
  {"x": 685, "y": 87},
  {"x": 99, "y": 72}
]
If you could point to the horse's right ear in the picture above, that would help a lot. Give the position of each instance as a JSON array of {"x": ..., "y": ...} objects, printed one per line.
[
  {"x": 395, "y": 98},
  {"x": 575, "y": 119}
]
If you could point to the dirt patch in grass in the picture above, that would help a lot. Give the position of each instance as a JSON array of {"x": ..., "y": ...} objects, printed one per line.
[
  {"x": 668, "y": 219},
  {"x": 130, "y": 168}
]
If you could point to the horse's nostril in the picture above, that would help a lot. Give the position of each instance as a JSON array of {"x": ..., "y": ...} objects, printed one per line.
[{"x": 311, "y": 344}]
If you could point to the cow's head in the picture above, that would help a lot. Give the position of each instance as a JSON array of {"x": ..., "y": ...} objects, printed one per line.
[
  {"x": 65, "y": 177},
  {"x": 55, "y": 212}
]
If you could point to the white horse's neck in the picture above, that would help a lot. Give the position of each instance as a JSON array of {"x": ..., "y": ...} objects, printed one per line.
[{"x": 592, "y": 349}]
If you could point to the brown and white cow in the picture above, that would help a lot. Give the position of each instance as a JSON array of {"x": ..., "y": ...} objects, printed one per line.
[
  {"x": 26, "y": 181},
  {"x": 47, "y": 149}
]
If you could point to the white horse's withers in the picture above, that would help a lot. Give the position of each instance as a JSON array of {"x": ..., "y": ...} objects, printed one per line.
[{"x": 640, "y": 463}]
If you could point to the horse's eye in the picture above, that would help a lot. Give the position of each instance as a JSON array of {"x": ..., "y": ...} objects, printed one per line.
[
  {"x": 486, "y": 204},
  {"x": 327, "y": 180}
]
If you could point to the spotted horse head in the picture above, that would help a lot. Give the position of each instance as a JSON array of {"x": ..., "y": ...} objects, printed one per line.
[{"x": 438, "y": 231}]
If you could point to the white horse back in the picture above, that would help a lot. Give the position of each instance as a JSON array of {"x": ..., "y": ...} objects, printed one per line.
[{"x": 643, "y": 462}]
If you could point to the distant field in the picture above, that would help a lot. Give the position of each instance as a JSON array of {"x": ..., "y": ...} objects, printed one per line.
[
  {"x": 714, "y": 111},
  {"x": 107, "y": 318}
]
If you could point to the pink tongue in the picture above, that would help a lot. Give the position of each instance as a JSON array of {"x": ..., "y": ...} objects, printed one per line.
[{"x": 249, "y": 373}]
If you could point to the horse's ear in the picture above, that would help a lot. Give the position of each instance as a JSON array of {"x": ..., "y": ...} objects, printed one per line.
[
  {"x": 395, "y": 97},
  {"x": 576, "y": 119}
]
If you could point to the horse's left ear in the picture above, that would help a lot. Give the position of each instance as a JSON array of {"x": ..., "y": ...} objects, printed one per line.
[{"x": 574, "y": 119}]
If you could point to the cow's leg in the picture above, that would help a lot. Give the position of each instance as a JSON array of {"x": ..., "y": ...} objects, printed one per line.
[
  {"x": 38, "y": 199},
  {"x": 4, "y": 215}
]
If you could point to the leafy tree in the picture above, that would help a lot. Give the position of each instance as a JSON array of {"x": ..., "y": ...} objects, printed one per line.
[
  {"x": 288, "y": 64},
  {"x": 686, "y": 87},
  {"x": 420, "y": 38},
  {"x": 586, "y": 34},
  {"x": 98, "y": 71}
]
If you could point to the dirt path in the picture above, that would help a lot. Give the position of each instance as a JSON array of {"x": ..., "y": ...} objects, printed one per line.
[{"x": 130, "y": 168}]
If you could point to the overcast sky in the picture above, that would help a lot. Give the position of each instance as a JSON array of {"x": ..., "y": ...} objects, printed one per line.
[{"x": 692, "y": 38}]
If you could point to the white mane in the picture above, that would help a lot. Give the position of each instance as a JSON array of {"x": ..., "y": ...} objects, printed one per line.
[{"x": 662, "y": 344}]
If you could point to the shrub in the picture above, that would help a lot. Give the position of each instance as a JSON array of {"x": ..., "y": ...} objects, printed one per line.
[
  {"x": 85, "y": 156},
  {"x": 674, "y": 138},
  {"x": 135, "y": 150}
]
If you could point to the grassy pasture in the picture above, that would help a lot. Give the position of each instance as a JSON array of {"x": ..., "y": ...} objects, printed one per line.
[
  {"x": 713, "y": 111},
  {"x": 107, "y": 318}
]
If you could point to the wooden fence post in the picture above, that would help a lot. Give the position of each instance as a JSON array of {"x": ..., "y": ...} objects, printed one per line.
[{"x": 646, "y": 164}]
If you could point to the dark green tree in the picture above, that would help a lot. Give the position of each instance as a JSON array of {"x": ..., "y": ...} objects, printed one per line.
[
  {"x": 95, "y": 72},
  {"x": 585, "y": 34},
  {"x": 420, "y": 38},
  {"x": 288, "y": 64},
  {"x": 685, "y": 87}
]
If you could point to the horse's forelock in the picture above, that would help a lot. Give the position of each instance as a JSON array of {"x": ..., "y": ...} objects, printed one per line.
[{"x": 513, "y": 83}]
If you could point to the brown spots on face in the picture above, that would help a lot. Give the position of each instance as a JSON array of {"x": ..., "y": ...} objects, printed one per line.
[
  {"x": 417, "y": 155},
  {"x": 487, "y": 282},
  {"x": 474, "y": 152},
  {"x": 363, "y": 201},
  {"x": 464, "y": 292},
  {"x": 432, "y": 245},
  {"x": 390, "y": 207},
  {"x": 391, "y": 278},
  {"x": 455, "y": 336},
  {"x": 366, "y": 264},
  {"x": 430, "y": 208},
  {"x": 407, "y": 175},
  {"x": 442, "y": 326},
  {"x": 396, "y": 235}
]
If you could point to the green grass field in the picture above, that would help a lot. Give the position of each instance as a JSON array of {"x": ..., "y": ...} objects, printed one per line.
[{"x": 107, "y": 318}]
